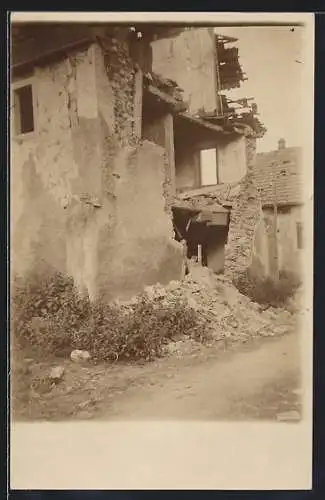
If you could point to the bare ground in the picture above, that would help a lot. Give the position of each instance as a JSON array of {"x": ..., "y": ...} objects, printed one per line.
[{"x": 256, "y": 380}]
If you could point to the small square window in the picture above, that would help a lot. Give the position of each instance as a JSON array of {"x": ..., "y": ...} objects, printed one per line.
[{"x": 23, "y": 110}]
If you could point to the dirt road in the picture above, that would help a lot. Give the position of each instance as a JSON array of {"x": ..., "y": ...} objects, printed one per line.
[
  {"x": 255, "y": 380},
  {"x": 259, "y": 381}
]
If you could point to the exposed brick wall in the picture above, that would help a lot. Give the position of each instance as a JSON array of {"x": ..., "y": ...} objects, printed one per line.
[
  {"x": 246, "y": 214},
  {"x": 120, "y": 71}
]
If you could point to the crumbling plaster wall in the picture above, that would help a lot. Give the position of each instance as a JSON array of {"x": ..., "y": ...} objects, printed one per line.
[
  {"x": 247, "y": 249},
  {"x": 190, "y": 60},
  {"x": 140, "y": 249},
  {"x": 68, "y": 208},
  {"x": 53, "y": 167}
]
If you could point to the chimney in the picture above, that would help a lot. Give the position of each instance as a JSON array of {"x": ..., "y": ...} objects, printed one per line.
[{"x": 281, "y": 144}]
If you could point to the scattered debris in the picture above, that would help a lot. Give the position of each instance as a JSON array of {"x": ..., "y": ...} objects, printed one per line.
[
  {"x": 288, "y": 416},
  {"x": 56, "y": 374},
  {"x": 228, "y": 315},
  {"x": 181, "y": 347},
  {"x": 79, "y": 356},
  {"x": 84, "y": 405},
  {"x": 295, "y": 304}
]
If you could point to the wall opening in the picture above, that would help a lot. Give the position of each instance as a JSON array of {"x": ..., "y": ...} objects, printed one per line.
[
  {"x": 208, "y": 167},
  {"x": 23, "y": 110},
  {"x": 216, "y": 240},
  {"x": 203, "y": 241},
  {"x": 153, "y": 121}
]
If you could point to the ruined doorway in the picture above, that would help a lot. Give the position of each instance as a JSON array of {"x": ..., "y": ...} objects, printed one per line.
[{"x": 208, "y": 241}]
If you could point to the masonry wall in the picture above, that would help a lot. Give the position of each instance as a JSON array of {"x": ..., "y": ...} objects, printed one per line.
[
  {"x": 81, "y": 185},
  {"x": 246, "y": 249},
  {"x": 190, "y": 60}
]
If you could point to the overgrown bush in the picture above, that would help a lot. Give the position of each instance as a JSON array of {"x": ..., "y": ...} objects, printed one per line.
[
  {"x": 46, "y": 311},
  {"x": 49, "y": 315},
  {"x": 266, "y": 291}
]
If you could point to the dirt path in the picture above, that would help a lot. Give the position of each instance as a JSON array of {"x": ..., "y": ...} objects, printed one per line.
[{"x": 255, "y": 382}]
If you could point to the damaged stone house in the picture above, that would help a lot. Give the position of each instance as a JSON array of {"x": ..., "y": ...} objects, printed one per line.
[
  {"x": 217, "y": 207},
  {"x": 279, "y": 180},
  {"x": 104, "y": 146}
]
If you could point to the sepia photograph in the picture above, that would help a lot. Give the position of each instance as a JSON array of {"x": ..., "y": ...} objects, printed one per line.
[{"x": 161, "y": 190}]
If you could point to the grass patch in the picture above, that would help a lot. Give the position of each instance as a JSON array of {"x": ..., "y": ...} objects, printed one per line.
[
  {"x": 49, "y": 316},
  {"x": 266, "y": 291}
]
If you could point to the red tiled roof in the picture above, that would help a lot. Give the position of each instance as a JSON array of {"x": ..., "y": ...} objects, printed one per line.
[{"x": 278, "y": 175}]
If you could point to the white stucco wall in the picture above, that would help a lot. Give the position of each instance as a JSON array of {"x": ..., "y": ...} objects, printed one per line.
[
  {"x": 190, "y": 60},
  {"x": 289, "y": 254},
  {"x": 231, "y": 160}
]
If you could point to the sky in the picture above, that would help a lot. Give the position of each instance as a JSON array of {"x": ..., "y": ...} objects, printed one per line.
[{"x": 268, "y": 56}]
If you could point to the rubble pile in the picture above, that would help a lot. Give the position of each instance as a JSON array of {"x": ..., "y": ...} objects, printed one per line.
[
  {"x": 296, "y": 303},
  {"x": 229, "y": 314}
]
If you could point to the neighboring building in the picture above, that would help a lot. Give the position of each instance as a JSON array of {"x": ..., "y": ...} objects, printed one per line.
[
  {"x": 103, "y": 148},
  {"x": 279, "y": 179}
]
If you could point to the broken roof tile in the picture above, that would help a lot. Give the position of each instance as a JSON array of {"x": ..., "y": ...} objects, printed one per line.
[{"x": 278, "y": 176}]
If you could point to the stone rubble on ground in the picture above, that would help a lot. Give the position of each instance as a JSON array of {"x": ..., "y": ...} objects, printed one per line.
[
  {"x": 56, "y": 374},
  {"x": 288, "y": 416},
  {"x": 295, "y": 304},
  {"x": 79, "y": 356},
  {"x": 229, "y": 314}
]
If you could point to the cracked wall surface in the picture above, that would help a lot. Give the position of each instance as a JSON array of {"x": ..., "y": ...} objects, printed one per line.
[
  {"x": 82, "y": 202},
  {"x": 56, "y": 170},
  {"x": 289, "y": 254},
  {"x": 140, "y": 248},
  {"x": 190, "y": 60}
]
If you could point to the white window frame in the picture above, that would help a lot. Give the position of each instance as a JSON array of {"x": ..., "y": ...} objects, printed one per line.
[
  {"x": 215, "y": 149},
  {"x": 14, "y": 87}
]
